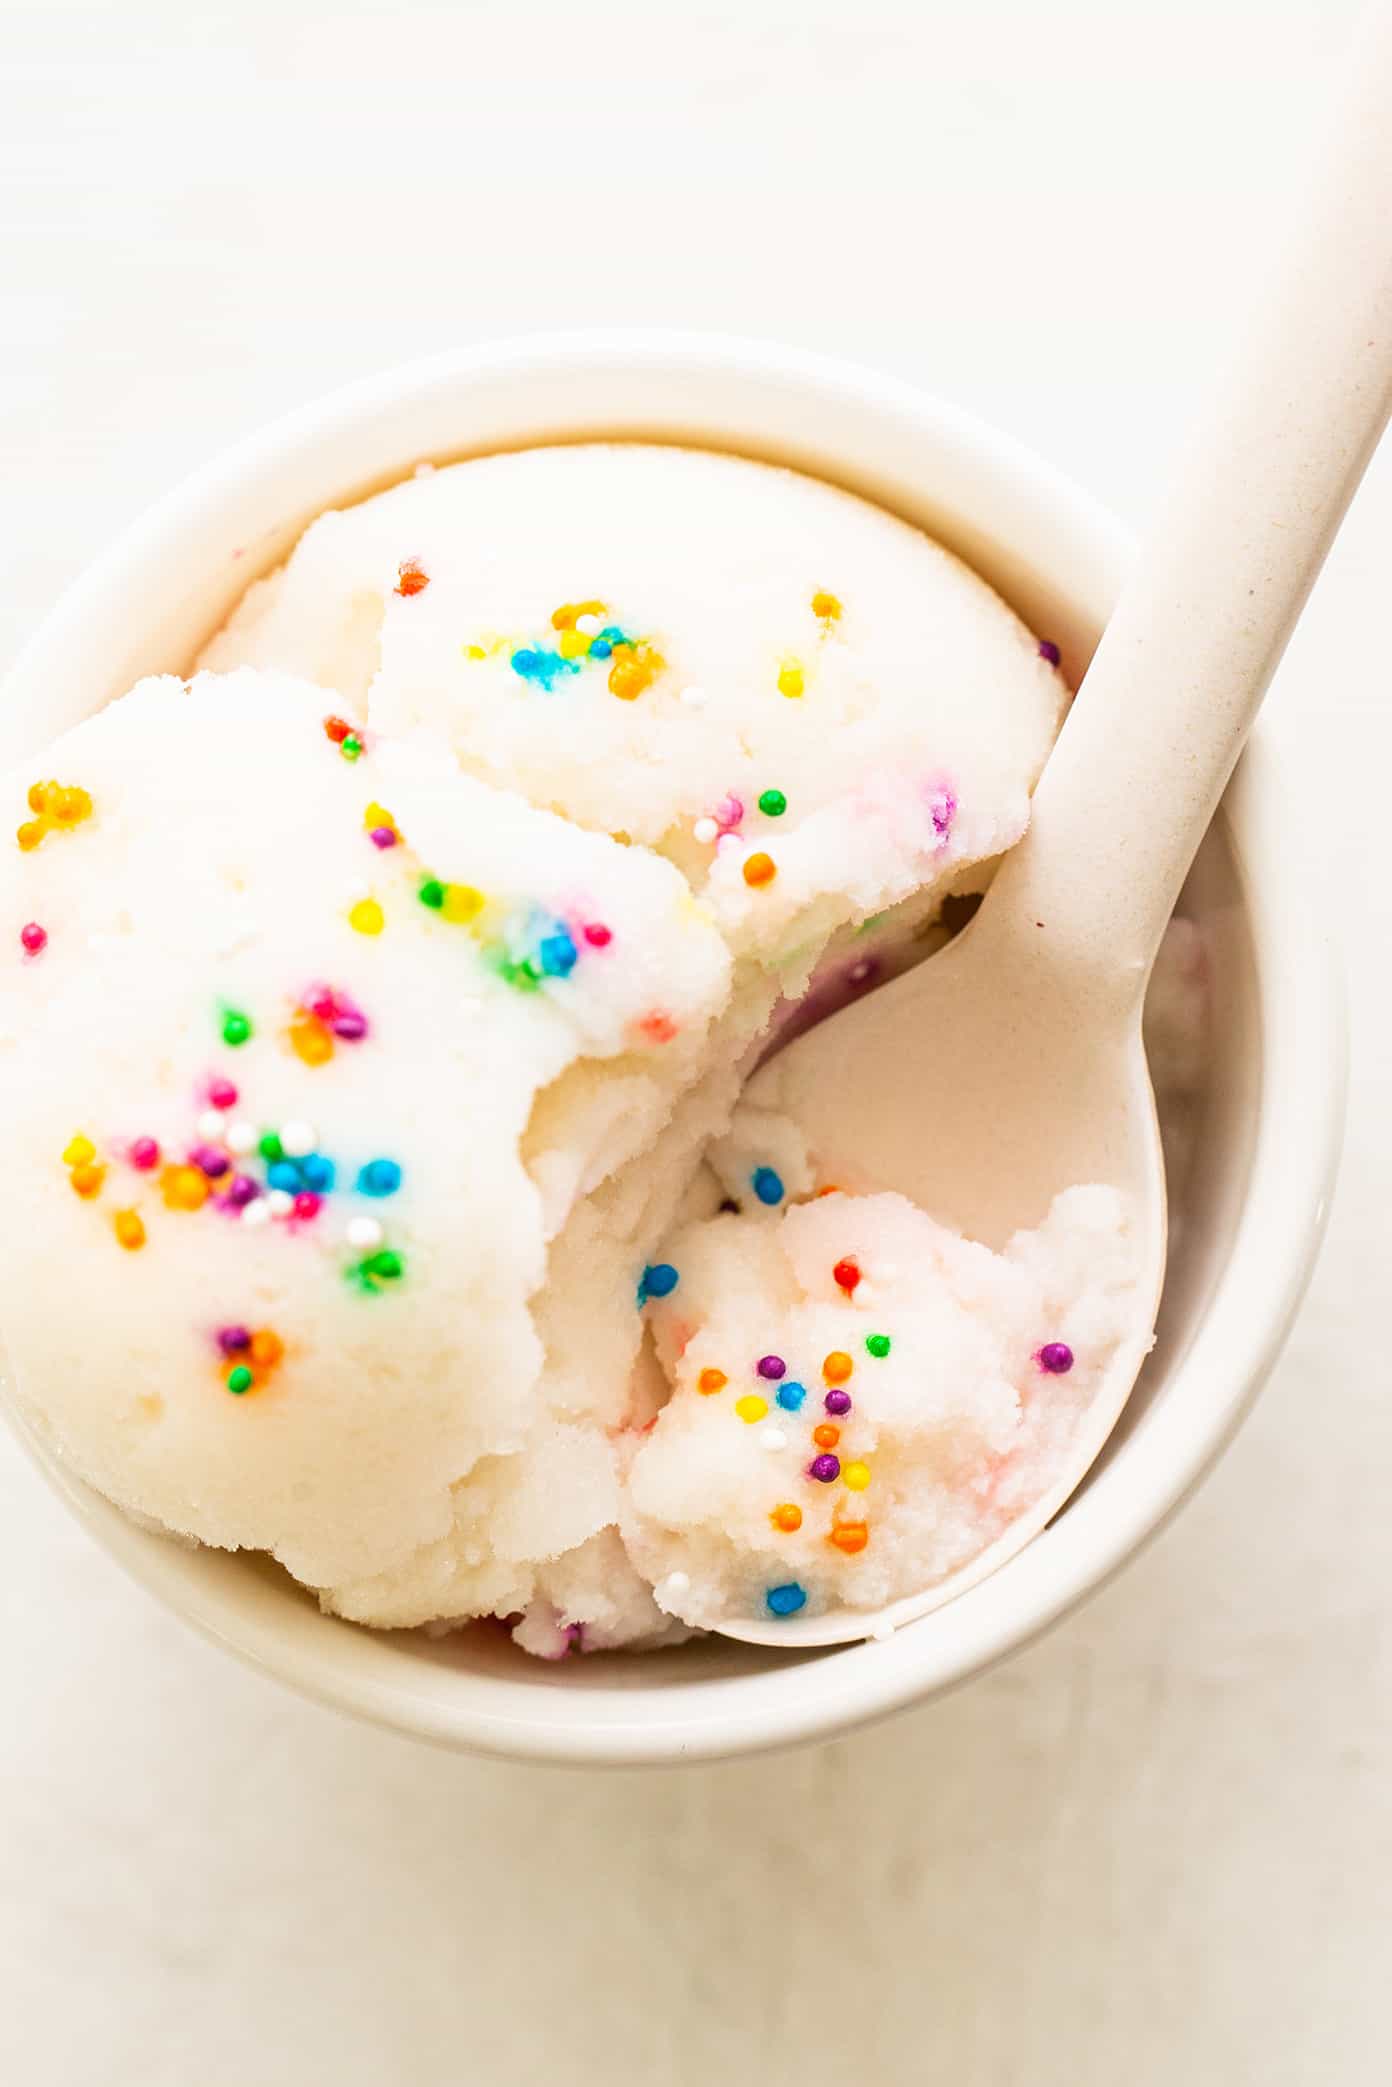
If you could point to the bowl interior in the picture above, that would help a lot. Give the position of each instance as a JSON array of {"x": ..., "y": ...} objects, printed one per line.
[{"x": 1058, "y": 560}]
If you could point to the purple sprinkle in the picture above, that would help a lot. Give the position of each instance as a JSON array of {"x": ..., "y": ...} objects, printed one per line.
[
  {"x": 1049, "y": 650},
  {"x": 837, "y": 1402},
  {"x": 383, "y": 837},
  {"x": 825, "y": 1467},
  {"x": 212, "y": 1162},
  {"x": 772, "y": 1366},
  {"x": 351, "y": 1026},
  {"x": 243, "y": 1190},
  {"x": 232, "y": 1339},
  {"x": 1056, "y": 1357},
  {"x": 943, "y": 808}
]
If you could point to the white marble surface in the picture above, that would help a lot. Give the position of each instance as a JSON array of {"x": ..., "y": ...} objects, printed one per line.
[{"x": 1155, "y": 1848}]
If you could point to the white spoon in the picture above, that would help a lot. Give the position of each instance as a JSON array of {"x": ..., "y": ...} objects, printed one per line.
[{"x": 1011, "y": 1066}]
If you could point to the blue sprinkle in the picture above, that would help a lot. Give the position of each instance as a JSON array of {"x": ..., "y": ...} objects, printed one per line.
[
  {"x": 768, "y": 1186},
  {"x": 318, "y": 1173},
  {"x": 284, "y": 1173},
  {"x": 380, "y": 1177},
  {"x": 534, "y": 663},
  {"x": 600, "y": 648},
  {"x": 786, "y": 1600},
  {"x": 791, "y": 1396},
  {"x": 557, "y": 953},
  {"x": 611, "y": 635},
  {"x": 660, "y": 1280}
]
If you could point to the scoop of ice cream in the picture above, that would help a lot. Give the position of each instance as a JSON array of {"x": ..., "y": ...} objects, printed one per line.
[
  {"x": 862, "y": 1400},
  {"x": 264, "y": 1096},
  {"x": 807, "y": 704}
]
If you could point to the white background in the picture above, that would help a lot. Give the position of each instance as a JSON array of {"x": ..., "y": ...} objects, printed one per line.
[{"x": 1155, "y": 1849}]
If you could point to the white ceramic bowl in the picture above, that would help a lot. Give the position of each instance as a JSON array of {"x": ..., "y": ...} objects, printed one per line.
[{"x": 1248, "y": 1229}]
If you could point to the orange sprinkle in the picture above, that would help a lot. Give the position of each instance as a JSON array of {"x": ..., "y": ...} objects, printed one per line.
[
  {"x": 87, "y": 1179},
  {"x": 850, "y": 1536},
  {"x": 266, "y": 1348},
  {"x": 30, "y": 834},
  {"x": 832, "y": 1189},
  {"x": 310, "y": 1040},
  {"x": 825, "y": 1435},
  {"x": 825, "y": 607},
  {"x": 184, "y": 1188},
  {"x": 711, "y": 1381},
  {"x": 411, "y": 577},
  {"x": 657, "y": 1027},
  {"x": 837, "y": 1367},
  {"x": 634, "y": 669},
  {"x": 566, "y": 616},
  {"x": 759, "y": 869},
  {"x": 130, "y": 1229},
  {"x": 786, "y": 1516}
]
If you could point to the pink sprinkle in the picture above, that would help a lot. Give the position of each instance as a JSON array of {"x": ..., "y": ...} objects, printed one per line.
[
  {"x": 222, "y": 1094},
  {"x": 144, "y": 1153},
  {"x": 729, "y": 812},
  {"x": 598, "y": 936},
  {"x": 210, "y": 1161},
  {"x": 34, "y": 938},
  {"x": 307, "y": 1203},
  {"x": 320, "y": 1001},
  {"x": 383, "y": 837}
]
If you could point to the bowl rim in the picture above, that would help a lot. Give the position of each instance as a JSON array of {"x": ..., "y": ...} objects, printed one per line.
[{"x": 1297, "y": 1139}]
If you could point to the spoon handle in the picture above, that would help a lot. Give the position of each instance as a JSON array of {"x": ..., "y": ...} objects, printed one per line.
[{"x": 1198, "y": 632}]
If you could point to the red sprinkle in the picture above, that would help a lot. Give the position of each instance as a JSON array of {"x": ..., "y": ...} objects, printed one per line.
[
  {"x": 846, "y": 1274},
  {"x": 222, "y": 1094},
  {"x": 35, "y": 938},
  {"x": 411, "y": 577},
  {"x": 307, "y": 1203},
  {"x": 337, "y": 729},
  {"x": 658, "y": 1027},
  {"x": 598, "y": 936}
]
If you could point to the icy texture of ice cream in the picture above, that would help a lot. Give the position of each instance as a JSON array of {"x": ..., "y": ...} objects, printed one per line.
[
  {"x": 863, "y": 1401},
  {"x": 372, "y": 1002}
]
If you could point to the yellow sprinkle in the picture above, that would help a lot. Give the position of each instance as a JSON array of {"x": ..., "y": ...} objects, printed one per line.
[
  {"x": 78, "y": 1151},
  {"x": 30, "y": 834},
  {"x": 462, "y": 903},
  {"x": 826, "y": 607},
  {"x": 367, "y": 917},
  {"x": 130, "y": 1229},
  {"x": 856, "y": 1476},
  {"x": 751, "y": 1407},
  {"x": 790, "y": 678},
  {"x": 573, "y": 644},
  {"x": 378, "y": 815},
  {"x": 474, "y": 652},
  {"x": 37, "y": 798}
]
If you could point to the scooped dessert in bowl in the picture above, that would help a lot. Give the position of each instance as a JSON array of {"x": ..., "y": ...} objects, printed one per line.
[{"x": 597, "y": 1214}]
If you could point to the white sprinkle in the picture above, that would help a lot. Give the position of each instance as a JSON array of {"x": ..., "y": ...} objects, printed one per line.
[
  {"x": 865, "y": 1293},
  {"x": 675, "y": 1583},
  {"x": 706, "y": 831},
  {"x": 589, "y": 626},
  {"x": 211, "y": 1125},
  {"x": 772, "y": 1438},
  {"x": 729, "y": 844},
  {"x": 259, "y": 1212},
  {"x": 240, "y": 1136},
  {"x": 297, "y": 1139},
  {"x": 279, "y": 1202},
  {"x": 694, "y": 698},
  {"x": 364, "y": 1232}
]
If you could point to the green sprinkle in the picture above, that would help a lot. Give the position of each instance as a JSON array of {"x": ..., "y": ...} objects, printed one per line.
[
  {"x": 239, "y": 1380},
  {"x": 270, "y": 1147},
  {"x": 236, "y": 1027},
  {"x": 432, "y": 893},
  {"x": 773, "y": 804},
  {"x": 351, "y": 747},
  {"x": 877, "y": 1344},
  {"x": 386, "y": 1264}
]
